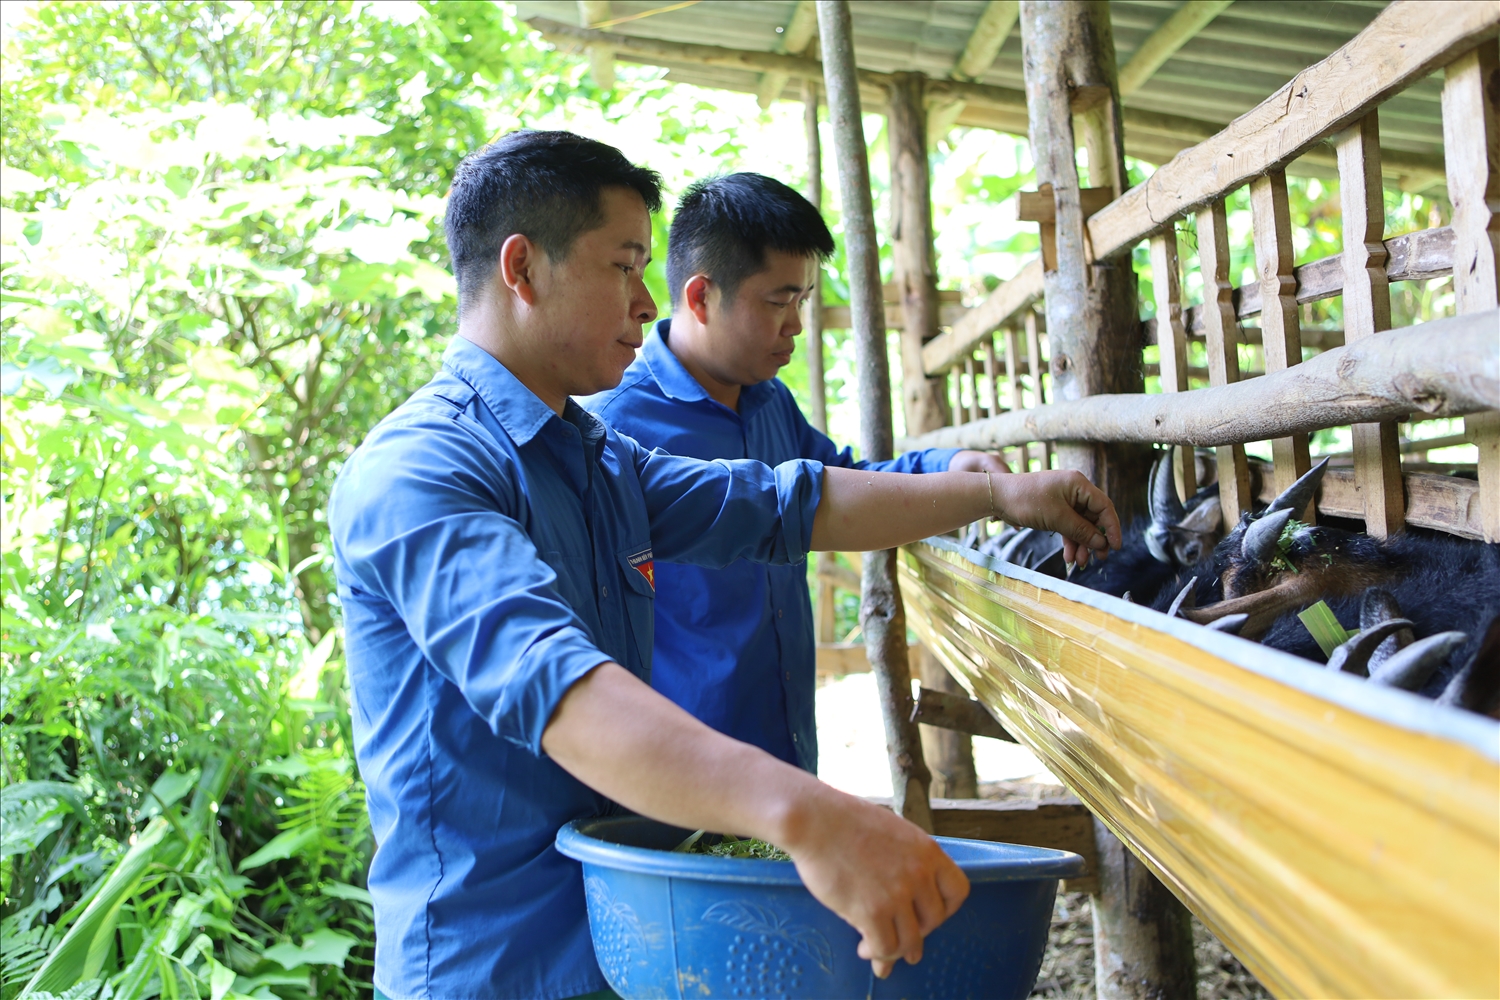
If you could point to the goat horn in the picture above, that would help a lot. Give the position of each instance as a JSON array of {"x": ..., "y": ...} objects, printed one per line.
[
  {"x": 1229, "y": 623},
  {"x": 1183, "y": 598},
  {"x": 1297, "y": 496},
  {"x": 1410, "y": 668},
  {"x": 1127, "y": 598},
  {"x": 1354, "y": 656},
  {"x": 1259, "y": 543},
  {"x": 1166, "y": 508}
]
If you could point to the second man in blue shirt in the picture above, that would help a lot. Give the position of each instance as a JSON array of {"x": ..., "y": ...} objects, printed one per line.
[{"x": 735, "y": 646}]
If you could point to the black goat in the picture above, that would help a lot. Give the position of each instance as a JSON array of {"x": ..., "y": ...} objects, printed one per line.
[{"x": 1427, "y": 605}]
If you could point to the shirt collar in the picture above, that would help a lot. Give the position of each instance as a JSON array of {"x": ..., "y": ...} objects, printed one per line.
[
  {"x": 677, "y": 382},
  {"x": 519, "y": 410}
]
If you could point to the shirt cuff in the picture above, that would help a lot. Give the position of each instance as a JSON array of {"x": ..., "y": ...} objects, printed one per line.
[
  {"x": 799, "y": 490},
  {"x": 549, "y": 668}
]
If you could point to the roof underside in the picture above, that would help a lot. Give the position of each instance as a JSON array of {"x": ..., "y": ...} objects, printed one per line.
[{"x": 1235, "y": 62}]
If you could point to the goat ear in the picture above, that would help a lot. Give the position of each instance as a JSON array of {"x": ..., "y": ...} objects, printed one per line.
[
  {"x": 1297, "y": 496},
  {"x": 1207, "y": 517},
  {"x": 1259, "y": 542}
]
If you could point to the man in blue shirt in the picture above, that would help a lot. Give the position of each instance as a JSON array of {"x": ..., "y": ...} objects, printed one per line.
[
  {"x": 494, "y": 546},
  {"x": 734, "y": 645}
]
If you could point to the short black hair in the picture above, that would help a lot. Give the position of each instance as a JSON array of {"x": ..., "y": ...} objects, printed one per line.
[
  {"x": 725, "y": 225},
  {"x": 543, "y": 185}
]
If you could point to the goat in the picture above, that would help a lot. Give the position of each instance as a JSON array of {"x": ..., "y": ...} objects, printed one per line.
[{"x": 1426, "y": 605}]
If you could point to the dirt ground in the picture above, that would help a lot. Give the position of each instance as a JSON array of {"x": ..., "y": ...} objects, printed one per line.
[{"x": 1068, "y": 965}]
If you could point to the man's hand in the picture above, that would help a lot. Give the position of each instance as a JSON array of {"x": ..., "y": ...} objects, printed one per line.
[
  {"x": 882, "y": 874},
  {"x": 887, "y": 878},
  {"x": 977, "y": 461},
  {"x": 1064, "y": 501}
]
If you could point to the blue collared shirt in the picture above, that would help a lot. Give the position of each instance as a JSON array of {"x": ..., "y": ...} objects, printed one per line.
[
  {"x": 489, "y": 553},
  {"x": 734, "y": 645}
]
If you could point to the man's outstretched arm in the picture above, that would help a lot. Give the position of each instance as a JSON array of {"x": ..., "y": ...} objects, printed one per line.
[
  {"x": 879, "y": 510},
  {"x": 883, "y": 875}
]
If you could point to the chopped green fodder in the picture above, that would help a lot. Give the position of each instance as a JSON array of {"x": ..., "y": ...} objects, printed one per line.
[
  {"x": 1282, "y": 559},
  {"x": 1325, "y": 628},
  {"x": 730, "y": 846}
]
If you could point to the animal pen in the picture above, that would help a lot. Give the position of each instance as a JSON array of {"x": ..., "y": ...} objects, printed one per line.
[{"x": 1342, "y": 838}]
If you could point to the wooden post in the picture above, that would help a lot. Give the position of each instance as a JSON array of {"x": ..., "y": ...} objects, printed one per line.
[
  {"x": 881, "y": 612},
  {"x": 973, "y": 376},
  {"x": 914, "y": 264},
  {"x": 1092, "y": 322},
  {"x": 1035, "y": 327},
  {"x": 1171, "y": 343},
  {"x": 1222, "y": 337},
  {"x": 1367, "y": 310},
  {"x": 990, "y": 375},
  {"x": 825, "y": 617},
  {"x": 1068, "y": 59},
  {"x": 1471, "y": 143},
  {"x": 1280, "y": 330},
  {"x": 1013, "y": 376}
]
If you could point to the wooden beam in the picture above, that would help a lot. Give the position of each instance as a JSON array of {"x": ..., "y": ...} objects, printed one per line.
[
  {"x": 1442, "y": 503},
  {"x": 794, "y": 39},
  {"x": 959, "y": 713},
  {"x": 1471, "y": 138},
  {"x": 1382, "y": 377},
  {"x": 1404, "y": 43},
  {"x": 816, "y": 386},
  {"x": 881, "y": 613},
  {"x": 1060, "y": 824},
  {"x": 984, "y": 44},
  {"x": 1191, "y": 18},
  {"x": 1367, "y": 309},
  {"x": 987, "y": 39},
  {"x": 1010, "y": 297}
]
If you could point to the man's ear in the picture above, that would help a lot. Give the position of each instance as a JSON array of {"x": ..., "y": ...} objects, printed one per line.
[
  {"x": 695, "y": 297},
  {"x": 517, "y": 267}
]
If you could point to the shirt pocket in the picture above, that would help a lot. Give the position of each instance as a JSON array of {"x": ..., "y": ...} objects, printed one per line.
[{"x": 638, "y": 567}]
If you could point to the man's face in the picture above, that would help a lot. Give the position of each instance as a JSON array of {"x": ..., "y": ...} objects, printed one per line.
[
  {"x": 593, "y": 304},
  {"x": 753, "y": 336}
]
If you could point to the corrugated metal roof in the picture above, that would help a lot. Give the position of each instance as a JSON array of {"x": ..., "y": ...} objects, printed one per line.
[{"x": 1233, "y": 64}]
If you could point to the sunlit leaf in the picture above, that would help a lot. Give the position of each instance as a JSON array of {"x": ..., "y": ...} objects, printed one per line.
[{"x": 324, "y": 946}]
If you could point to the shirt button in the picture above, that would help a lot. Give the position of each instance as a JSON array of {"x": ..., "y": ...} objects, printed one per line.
[
  {"x": 605, "y": 590},
  {"x": 794, "y": 737},
  {"x": 778, "y": 612},
  {"x": 788, "y": 675}
]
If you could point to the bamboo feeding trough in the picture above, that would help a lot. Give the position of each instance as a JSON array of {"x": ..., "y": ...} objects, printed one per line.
[{"x": 1341, "y": 840}]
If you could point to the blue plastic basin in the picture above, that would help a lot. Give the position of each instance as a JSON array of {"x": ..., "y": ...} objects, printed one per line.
[{"x": 689, "y": 925}]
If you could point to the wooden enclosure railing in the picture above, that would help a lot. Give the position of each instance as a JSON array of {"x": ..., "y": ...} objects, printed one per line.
[{"x": 1450, "y": 368}]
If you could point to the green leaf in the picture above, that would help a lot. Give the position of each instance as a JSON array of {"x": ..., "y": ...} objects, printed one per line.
[
  {"x": 1325, "y": 628},
  {"x": 343, "y": 890},
  {"x": 168, "y": 790},
  {"x": 323, "y": 946},
  {"x": 81, "y": 953},
  {"x": 284, "y": 845}
]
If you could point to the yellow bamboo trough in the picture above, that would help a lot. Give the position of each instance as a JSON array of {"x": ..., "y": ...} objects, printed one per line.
[{"x": 1342, "y": 839}]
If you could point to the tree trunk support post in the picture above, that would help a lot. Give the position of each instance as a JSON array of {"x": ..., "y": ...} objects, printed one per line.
[
  {"x": 824, "y": 618},
  {"x": 881, "y": 612},
  {"x": 1067, "y": 52},
  {"x": 1142, "y": 934},
  {"x": 950, "y": 755}
]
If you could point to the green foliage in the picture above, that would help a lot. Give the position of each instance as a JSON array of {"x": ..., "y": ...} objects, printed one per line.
[{"x": 222, "y": 261}]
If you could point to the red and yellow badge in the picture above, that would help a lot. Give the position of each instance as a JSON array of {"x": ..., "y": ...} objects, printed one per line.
[{"x": 643, "y": 564}]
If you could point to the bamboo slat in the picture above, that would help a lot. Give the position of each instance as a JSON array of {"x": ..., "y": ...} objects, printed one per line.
[
  {"x": 1342, "y": 839},
  {"x": 1166, "y": 283},
  {"x": 1221, "y": 336}
]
